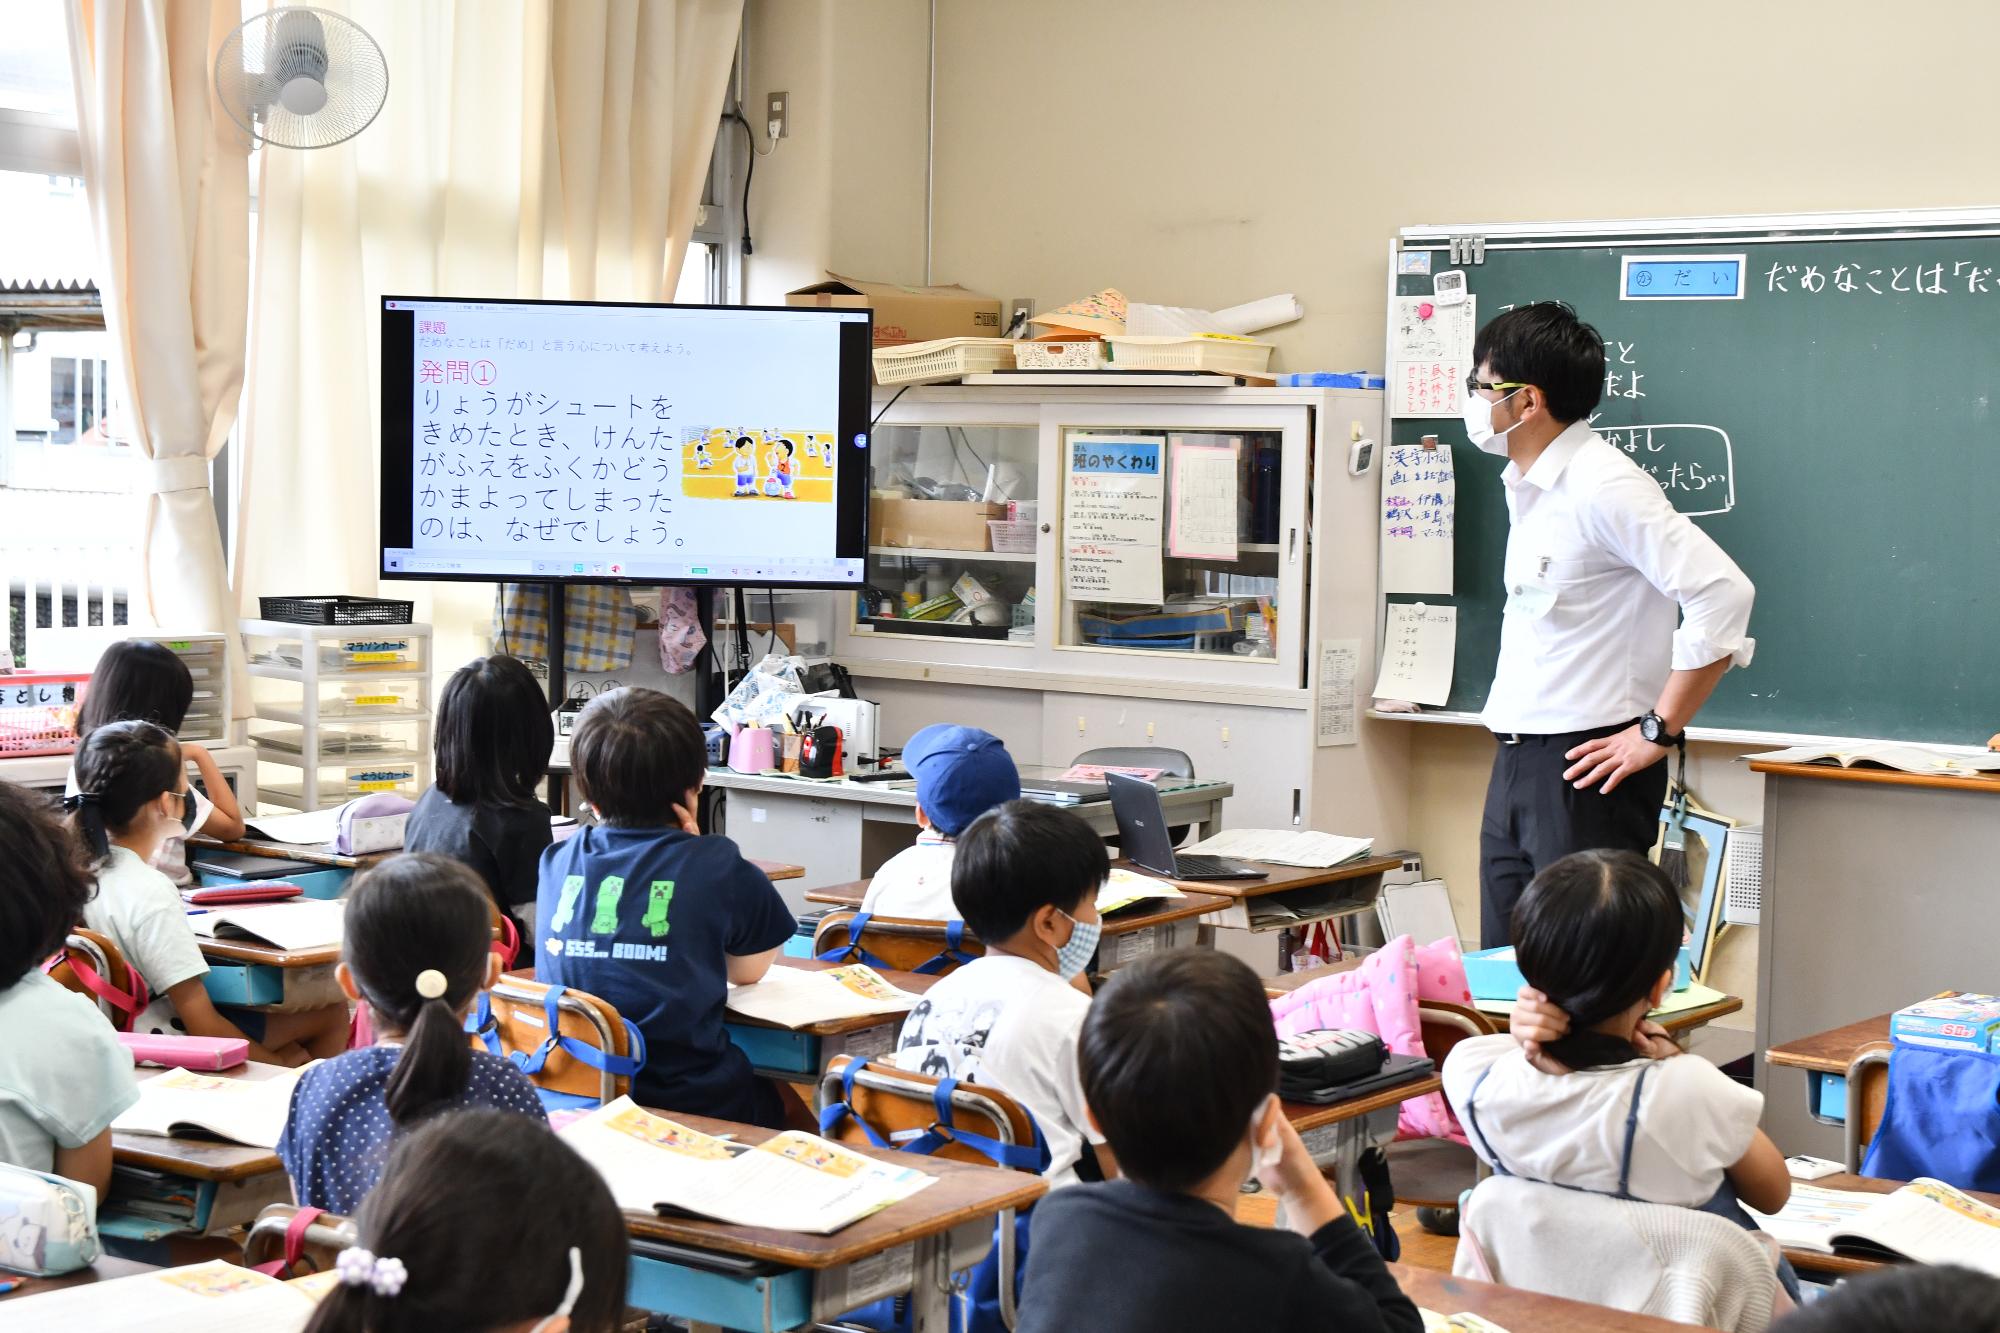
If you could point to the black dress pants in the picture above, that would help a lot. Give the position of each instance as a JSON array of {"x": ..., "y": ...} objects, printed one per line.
[{"x": 1534, "y": 818}]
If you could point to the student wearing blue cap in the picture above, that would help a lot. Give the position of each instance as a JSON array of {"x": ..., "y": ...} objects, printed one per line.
[{"x": 961, "y": 772}]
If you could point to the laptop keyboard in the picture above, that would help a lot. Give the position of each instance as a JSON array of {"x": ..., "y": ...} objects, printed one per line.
[{"x": 1190, "y": 866}]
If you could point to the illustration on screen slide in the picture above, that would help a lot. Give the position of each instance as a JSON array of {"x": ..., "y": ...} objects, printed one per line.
[{"x": 760, "y": 464}]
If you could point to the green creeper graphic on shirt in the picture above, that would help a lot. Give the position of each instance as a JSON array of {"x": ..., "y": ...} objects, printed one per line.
[
  {"x": 609, "y": 891},
  {"x": 572, "y": 890},
  {"x": 658, "y": 900}
]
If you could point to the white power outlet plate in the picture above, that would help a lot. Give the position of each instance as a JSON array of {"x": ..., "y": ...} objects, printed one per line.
[{"x": 778, "y": 113}]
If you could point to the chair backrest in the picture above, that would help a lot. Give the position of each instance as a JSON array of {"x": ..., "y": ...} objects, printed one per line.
[
  {"x": 1444, "y": 1025},
  {"x": 91, "y": 965},
  {"x": 1647, "y": 1258},
  {"x": 290, "y": 1241},
  {"x": 901, "y": 944},
  {"x": 883, "y": 1106},
  {"x": 1867, "y": 1099},
  {"x": 517, "y": 1018},
  {"x": 1172, "y": 763}
]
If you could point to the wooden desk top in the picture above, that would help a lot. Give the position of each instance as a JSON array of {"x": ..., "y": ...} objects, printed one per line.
[
  {"x": 266, "y": 955},
  {"x": 1281, "y": 879},
  {"x": 964, "y": 1192},
  {"x": 1817, "y": 1261},
  {"x": 1881, "y": 777},
  {"x": 291, "y": 851},
  {"x": 109, "y": 1268},
  {"x": 1305, "y": 1117},
  {"x": 1152, "y": 912},
  {"x": 1831, "y": 1052},
  {"x": 202, "y": 1159},
  {"x": 834, "y": 1027},
  {"x": 1512, "y": 1308},
  {"x": 777, "y": 870}
]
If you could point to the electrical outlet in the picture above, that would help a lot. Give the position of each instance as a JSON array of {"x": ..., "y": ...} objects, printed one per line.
[
  {"x": 1019, "y": 308},
  {"x": 778, "y": 115}
]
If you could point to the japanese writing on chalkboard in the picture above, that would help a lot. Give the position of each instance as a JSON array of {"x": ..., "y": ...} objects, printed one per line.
[{"x": 1962, "y": 277}]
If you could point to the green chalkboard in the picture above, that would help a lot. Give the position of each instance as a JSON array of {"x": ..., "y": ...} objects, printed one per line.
[{"x": 1834, "y": 429}]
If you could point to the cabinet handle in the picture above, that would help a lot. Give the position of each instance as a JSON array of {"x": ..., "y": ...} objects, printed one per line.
[
  {"x": 1046, "y": 528},
  {"x": 1291, "y": 546}
]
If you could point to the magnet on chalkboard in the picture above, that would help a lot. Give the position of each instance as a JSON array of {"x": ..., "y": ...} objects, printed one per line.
[
  {"x": 1431, "y": 443},
  {"x": 1425, "y": 310}
]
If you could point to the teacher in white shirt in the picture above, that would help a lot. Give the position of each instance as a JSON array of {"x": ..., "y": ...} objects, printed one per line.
[{"x": 1621, "y": 614}]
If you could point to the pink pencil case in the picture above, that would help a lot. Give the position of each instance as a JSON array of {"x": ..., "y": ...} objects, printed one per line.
[
  {"x": 255, "y": 891},
  {"x": 208, "y": 1054}
]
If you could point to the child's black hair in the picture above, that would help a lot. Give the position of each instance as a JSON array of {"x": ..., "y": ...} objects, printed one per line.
[
  {"x": 481, "y": 1208},
  {"x": 1594, "y": 932},
  {"x": 414, "y": 913},
  {"x": 119, "y": 767},
  {"x": 1546, "y": 345},
  {"x": 137, "y": 678},
  {"x": 636, "y": 754},
  {"x": 1907, "y": 1296},
  {"x": 494, "y": 733},
  {"x": 1177, "y": 1053},
  {"x": 44, "y": 883},
  {"x": 1020, "y": 857}
]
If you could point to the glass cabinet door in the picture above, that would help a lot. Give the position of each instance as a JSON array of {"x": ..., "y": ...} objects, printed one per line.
[
  {"x": 1173, "y": 541},
  {"x": 952, "y": 531}
]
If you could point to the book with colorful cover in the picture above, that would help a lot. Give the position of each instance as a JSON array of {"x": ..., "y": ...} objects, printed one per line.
[
  {"x": 793, "y": 996},
  {"x": 1926, "y": 1222}
]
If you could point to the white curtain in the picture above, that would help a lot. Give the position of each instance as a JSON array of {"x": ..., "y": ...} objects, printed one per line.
[
  {"x": 528, "y": 148},
  {"x": 166, "y": 176}
]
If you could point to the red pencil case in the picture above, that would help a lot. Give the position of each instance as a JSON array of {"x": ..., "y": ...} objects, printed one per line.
[
  {"x": 209, "y": 1054},
  {"x": 256, "y": 891}
]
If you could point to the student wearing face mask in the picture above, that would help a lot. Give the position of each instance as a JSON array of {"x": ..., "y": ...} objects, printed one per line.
[
  {"x": 1621, "y": 614},
  {"x": 1025, "y": 879}
]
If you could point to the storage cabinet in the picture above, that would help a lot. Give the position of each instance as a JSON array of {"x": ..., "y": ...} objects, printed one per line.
[{"x": 354, "y": 716}]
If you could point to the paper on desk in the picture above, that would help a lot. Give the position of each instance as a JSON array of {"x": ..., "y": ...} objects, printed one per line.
[
  {"x": 1284, "y": 847},
  {"x": 792, "y": 1182},
  {"x": 1461, "y": 1322},
  {"x": 1125, "y": 887},
  {"x": 250, "y": 1111},
  {"x": 1419, "y": 649},
  {"x": 313, "y": 828},
  {"x": 1419, "y": 517},
  {"x": 301, "y": 924},
  {"x": 793, "y": 996},
  {"x": 215, "y": 1297},
  {"x": 1696, "y": 996}
]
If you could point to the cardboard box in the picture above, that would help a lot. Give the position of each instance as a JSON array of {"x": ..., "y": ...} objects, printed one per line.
[
  {"x": 949, "y": 525},
  {"x": 907, "y": 314},
  {"x": 1492, "y": 974},
  {"x": 1951, "y": 1021}
]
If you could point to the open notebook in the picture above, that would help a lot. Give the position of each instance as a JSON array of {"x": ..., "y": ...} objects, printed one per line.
[
  {"x": 1926, "y": 1221},
  {"x": 215, "y": 1297},
  {"x": 308, "y": 924},
  {"x": 1125, "y": 888},
  {"x": 1918, "y": 759},
  {"x": 182, "y": 1102},
  {"x": 793, "y": 997},
  {"x": 791, "y": 1182}
]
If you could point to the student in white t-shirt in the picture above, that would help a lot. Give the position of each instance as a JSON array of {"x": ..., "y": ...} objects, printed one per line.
[
  {"x": 961, "y": 772},
  {"x": 1025, "y": 879},
  {"x": 1587, "y": 1092}
]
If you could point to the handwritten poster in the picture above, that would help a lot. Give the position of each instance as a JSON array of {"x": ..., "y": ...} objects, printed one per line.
[
  {"x": 1430, "y": 354},
  {"x": 1418, "y": 649},
  {"x": 1203, "y": 525},
  {"x": 1334, "y": 710},
  {"x": 1419, "y": 509},
  {"x": 1111, "y": 519}
]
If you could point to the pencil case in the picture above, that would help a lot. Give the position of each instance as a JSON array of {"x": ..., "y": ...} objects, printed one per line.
[
  {"x": 255, "y": 891},
  {"x": 208, "y": 1054},
  {"x": 46, "y": 1223}
]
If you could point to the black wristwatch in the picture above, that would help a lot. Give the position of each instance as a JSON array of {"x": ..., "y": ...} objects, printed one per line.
[{"x": 1654, "y": 728}]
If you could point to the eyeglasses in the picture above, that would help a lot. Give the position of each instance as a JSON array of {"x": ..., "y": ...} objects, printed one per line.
[{"x": 1473, "y": 384}]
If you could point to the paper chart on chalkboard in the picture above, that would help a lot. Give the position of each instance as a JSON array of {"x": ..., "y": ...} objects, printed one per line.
[
  {"x": 1419, "y": 519},
  {"x": 1419, "y": 647},
  {"x": 1430, "y": 354}
]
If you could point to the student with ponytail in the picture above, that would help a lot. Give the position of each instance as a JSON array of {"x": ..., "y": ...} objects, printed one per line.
[
  {"x": 417, "y": 953},
  {"x": 132, "y": 793}
]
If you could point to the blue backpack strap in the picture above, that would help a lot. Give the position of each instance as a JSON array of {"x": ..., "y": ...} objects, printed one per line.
[
  {"x": 852, "y": 951},
  {"x": 1030, "y": 1157},
  {"x": 479, "y": 1023},
  {"x": 831, "y": 1116},
  {"x": 603, "y": 1061},
  {"x": 953, "y": 954}
]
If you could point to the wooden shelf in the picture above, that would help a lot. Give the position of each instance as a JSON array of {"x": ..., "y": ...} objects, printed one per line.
[{"x": 931, "y": 553}]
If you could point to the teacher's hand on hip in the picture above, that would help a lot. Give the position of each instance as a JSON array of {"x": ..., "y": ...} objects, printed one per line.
[{"x": 1611, "y": 759}]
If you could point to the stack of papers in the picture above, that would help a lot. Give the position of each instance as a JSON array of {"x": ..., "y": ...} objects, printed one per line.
[
  {"x": 305, "y": 924},
  {"x": 1283, "y": 847},
  {"x": 794, "y": 997},
  {"x": 1126, "y": 887},
  {"x": 249, "y": 1111},
  {"x": 1926, "y": 1221},
  {"x": 1919, "y": 759},
  {"x": 215, "y": 1297},
  {"x": 791, "y": 1182}
]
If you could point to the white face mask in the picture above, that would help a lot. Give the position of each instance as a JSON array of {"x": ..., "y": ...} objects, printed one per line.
[
  {"x": 570, "y": 1296},
  {"x": 1478, "y": 414},
  {"x": 1266, "y": 1148}
]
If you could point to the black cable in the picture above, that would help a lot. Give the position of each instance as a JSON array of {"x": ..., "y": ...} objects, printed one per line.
[
  {"x": 771, "y": 610},
  {"x": 885, "y": 408},
  {"x": 749, "y": 170}
]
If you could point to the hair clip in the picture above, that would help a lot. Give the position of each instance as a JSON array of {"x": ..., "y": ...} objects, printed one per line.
[
  {"x": 431, "y": 984},
  {"x": 360, "y": 1268},
  {"x": 76, "y": 800}
]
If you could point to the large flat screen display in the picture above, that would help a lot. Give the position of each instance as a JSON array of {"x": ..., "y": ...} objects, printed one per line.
[{"x": 606, "y": 443}]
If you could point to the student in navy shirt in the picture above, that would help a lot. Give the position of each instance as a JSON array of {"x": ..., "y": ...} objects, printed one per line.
[
  {"x": 648, "y": 915},
  {"x": 417, "y": 953}
]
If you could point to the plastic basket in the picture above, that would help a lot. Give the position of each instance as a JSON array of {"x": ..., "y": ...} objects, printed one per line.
[
  {"x": 337, "y": 610},
  {"x": 38, "y": 712},
  {"x": 1014, "y": 538},
  {"x": 942, "y": 359},
  {"x": 1082, "y": 354},
  {"x": 1189, "y": 353}
]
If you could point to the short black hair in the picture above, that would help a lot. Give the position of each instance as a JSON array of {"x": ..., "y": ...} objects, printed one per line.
[
  {"x": 494, "y": 733},
  {"x": 119, "y": 767},
  {"x": 137, "y": 678},
  {"x": 1907, "y": 1296},
  {"x": 1177, "y": 1053},
  {"x": 449, "y": 1207},
  {"x": 1546, "y": 345},
  {"x": 636, "y": 754},
  {"x": 1593, "y": 932},
  {"x": 44, "y": 882},
  {"x": 1020, "y": 857}
]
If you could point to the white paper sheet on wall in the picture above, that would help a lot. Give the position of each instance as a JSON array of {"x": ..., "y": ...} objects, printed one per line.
[
  {"x": 1334, "y": 711},
  {"x": 1419, "y": 519},
  {"x": 1203, "y": 523},
  {"x": 1430, "y": 354},
  {"x": 1418, "y": 649}
]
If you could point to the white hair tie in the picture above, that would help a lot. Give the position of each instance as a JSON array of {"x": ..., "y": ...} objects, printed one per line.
[
  {"x": 431, "y": 984},
  {"x": 360, "y": 1268}
]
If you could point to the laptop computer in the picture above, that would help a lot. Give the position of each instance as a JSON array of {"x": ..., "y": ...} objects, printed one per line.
[{"x": 1143, "y": 836}]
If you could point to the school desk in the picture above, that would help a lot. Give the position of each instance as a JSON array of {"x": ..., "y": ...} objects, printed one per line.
[
  {"x": 778, "y": 871},
  {"x": 227, "y": 1184},
  {"x": 1826, "y": 1058},
  {"x": 1875, "y": 895},
  {"x": 716, "y": 1275},
  {"x": 108, "y": 1268},
  {"x": 800, "y": 1055},
  {"x": 244, "y": 972},
  {"x": 1845, "y": 1265},
  {"x": 1336, "y": 1135},
  {"x": 1318, "y": 893},
  {"x": 1518, "y": 1310},
  {"x": 1131, "y": 933}
]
